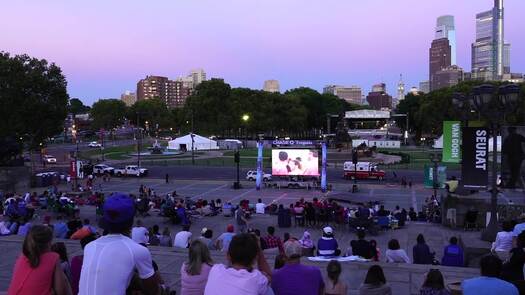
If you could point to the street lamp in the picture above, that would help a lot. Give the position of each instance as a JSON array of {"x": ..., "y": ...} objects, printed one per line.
[
  {"x": 435, "y": 159},
  {"x": 494, "y": 104},
  {"x": 245, "y": 118}
]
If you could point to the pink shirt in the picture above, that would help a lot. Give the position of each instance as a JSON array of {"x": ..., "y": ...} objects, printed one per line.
[
  {"x": 28, "y": 280},
  {"x": 227, "y": 280},
  {"x": 194, "y": 285}
]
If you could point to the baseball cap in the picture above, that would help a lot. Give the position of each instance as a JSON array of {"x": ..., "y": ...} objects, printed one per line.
[
  {"x": 293, "y": 249},
  {"x": 203, "y": 230},
  {"x": 328, "y": 230},
  {"x": 117, "y": 212}
]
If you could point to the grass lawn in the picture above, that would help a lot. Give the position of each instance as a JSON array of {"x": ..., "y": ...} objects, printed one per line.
[{"x": 112, "y": 153}]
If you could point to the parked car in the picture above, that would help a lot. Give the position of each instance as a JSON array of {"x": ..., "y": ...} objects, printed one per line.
[
  {"x": 50, "y": 159},
  {"x": 103, "y": 168},
  {"x": 131, "y": 170},
  {"x": 252, "y": 176},
  {"x": 94, "y": 144}
]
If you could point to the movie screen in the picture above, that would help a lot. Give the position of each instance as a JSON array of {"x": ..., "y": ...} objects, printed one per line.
[{"x": 292, "y": 162}]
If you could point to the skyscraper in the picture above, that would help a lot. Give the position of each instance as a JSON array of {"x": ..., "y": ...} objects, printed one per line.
[
  {"x": 489, "y": 52},
  {"x": 445, "y": 28},
  {"x": 351, "y": 94},
  {"x": 271, "y": 86},
  {"x": 173, "y": 93},
  {"x": 400, "y": 89},
  {"x": 129, "y": 98},
  {"x": 439, "y": 57},
  {"x": 197, "y": 75}
]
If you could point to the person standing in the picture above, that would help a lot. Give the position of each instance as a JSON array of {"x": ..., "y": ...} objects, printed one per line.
[
  {"x": 37, "y": 270},
  {"x": 106, "y": 268},
  {"x": 167, "y": 178},
  {"x": 242, "y": 222},
  {"x": 512, "y": 149},
  {"x": 294, "y": 277}
]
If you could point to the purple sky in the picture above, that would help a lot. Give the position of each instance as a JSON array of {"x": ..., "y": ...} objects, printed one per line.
[{"x": 105, "y": 47}]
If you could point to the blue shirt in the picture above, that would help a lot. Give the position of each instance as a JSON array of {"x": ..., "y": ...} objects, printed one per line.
[
  {"x": 327, "y": 246},
  {"x": 488, "y": 286},
  {"x": 518, "y": 228},
  {"x": 297, "y": 279},
  {"x": 60, "y": 230}
]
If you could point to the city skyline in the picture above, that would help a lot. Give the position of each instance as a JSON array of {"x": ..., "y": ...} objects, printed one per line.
[{"x": 105, "y": 48}]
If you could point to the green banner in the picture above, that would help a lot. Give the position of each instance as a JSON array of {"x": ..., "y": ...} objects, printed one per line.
[
  {"x": 451, "y": 141},
  {"x": 429, "y": 176}
]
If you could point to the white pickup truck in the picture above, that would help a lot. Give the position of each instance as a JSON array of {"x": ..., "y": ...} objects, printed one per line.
[
  {"x": 131, "y": 170},
  {"x": 252, "y": 176}
]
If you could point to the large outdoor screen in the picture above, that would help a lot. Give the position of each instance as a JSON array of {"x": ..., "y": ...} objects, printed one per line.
[{"x": 291, "y": 162}]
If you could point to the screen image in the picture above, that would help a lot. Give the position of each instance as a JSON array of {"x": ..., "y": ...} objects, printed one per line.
[{"x": 291, "y": 162}]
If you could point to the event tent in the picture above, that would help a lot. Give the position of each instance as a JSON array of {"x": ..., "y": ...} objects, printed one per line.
[{"x": 183, "y": 143}]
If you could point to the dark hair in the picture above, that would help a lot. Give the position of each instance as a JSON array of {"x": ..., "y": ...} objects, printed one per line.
[
  {"x": 156, "y": 228},
  {"x": 373, "y": 243},
  {"x": 86, "y": 221},
  {"x": 86, "y": 240},
  {"x": 393, "y": 244},
  {"x": 434, "y": 280},
  {"x": 521, "y": 240},
  {"x": 420, "y": 239},
  {"x": 375, "y": 276},
  {"x": 243, "y": 249},
  {"x": 208, "y": 234},
  {"x": 454, "y": 241},
  {"x": 259, "y": 200},
  {"x": 490, "y": 266},
  {"x": 280, "y": 260},
  {"x": 361, "y": 234},
  {"x": 506, "y": 226},
  {"x": 333, "y": 270},
  {"x": 283, "y": 156},
  {"x": 60, "y": 249},
  {"x": 286, "y": 237},
  {"x": 186, "y": 227},
  {"x": 270, "y": 230},
  {"x": 36, "y": 243}
]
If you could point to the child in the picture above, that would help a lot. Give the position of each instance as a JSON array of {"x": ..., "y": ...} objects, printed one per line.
[{"x": 333, "y": 285}]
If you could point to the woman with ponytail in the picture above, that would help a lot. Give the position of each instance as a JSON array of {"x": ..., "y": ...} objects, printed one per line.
[{"x": 37, "y": 270}]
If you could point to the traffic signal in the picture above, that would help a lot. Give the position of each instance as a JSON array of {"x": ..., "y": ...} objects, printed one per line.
[{"x": 237, "y": 157}]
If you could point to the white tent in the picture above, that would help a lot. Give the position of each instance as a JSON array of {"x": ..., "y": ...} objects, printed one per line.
[
  {"x": 199, "y": 143},
  {"x": 438, "y": 143}
]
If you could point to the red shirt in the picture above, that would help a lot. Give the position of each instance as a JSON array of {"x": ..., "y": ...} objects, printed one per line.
[
  {"x": 28, "y": 280},
  {"x": 273, "y": 242}
]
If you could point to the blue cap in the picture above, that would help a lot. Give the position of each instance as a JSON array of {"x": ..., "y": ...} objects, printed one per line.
[{"x": 118, "y": 212}]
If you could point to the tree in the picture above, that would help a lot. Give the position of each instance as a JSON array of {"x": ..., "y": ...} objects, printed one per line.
[
  {"x": 108, "y": 113},
  {"x": 33, "y": 99},
  {"x": 76, "y": 107},
  {"x": 152, "y": 110}
]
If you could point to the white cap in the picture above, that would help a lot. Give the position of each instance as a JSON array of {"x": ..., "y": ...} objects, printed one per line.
[{"x": 328, "y": 230}]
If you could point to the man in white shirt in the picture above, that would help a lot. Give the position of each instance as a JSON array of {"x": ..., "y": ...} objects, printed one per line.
[
  {"x": 259, "y": 207},
  {"x": 139, "y": 233},
  {"x": 183, "y": 238},
  {"x": 110, "y": 261}
]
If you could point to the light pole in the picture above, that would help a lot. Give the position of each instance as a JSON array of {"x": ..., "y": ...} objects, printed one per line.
[
  {"x": 192, "y": 140},
  {"x": 245, "y": 118},
  {"x": 139, "y": 136},
  {"x": 493, "y": 104},
  {"x": 435, "y": 159},
  {"x": 406, "y": 125}
]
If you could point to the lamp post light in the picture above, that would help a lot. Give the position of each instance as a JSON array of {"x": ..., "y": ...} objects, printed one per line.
[
  {"x": 435, "y": 159},
  {"x": 245, "y": 118},
  {"x": 494, "y": 104}
]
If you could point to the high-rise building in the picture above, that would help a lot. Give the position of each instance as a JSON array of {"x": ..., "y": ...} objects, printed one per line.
[
  {"x": 380, "y": 87},
  {"x": 439, "y": 57},
  {"x": 447, "y": 77},
  {"x": 400, "y": 89},
  {"x": 197, "y": 75},
  {"x": 378, "y": 99},
  {"x": 129, "y": 98},
  {"x": 489, "y": 52},
  {"x": 445, "y": 28},
  {"x": 271, "y": 86},
  {"x": 173, "y": 93},
  {"x": 424, "y": 86},
  {"x": 351, "y": 94}
]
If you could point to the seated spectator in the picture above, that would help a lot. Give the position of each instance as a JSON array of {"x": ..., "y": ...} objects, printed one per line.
[
  {"x": 241, "y": 277},
  {"x": 503, "y": 243},
  {"x": 37, "y": 270},
  {"x": 223, "y": 241},
  {"x": 421, "y": 252},
  {"x": 272, "y": 242},
  {"x": 206, "y": 238},
  {"x": 76, "y": 264},
  {"x": 395, "y": 254},
  {"x": 453, "y": 254},
  {"x": 24, "y": 227},
  {"x": 434, "y": 284},
  {"x": 259, "y": 207},
  {"x": 139, "y": 233},
  {"x": 334, "y": 286},
  {"x": 60, "y": 249},
  {"x": 286, "y": 237},
  {"x": 194, "y": 273},
  {"x": 489, "y": 283},
  {"x": 327, "y": 245},
  {"x": 518, "y": 228},
  {"x": 183, "y": 238},
  {"x": 165, "y": 239},
  {"x": 373, "y": 244},
  {"x": 382, "y": 211},
  {"x": 294, "y": 277},
  {"x": 106, "y": 268},
  {"x": 154, "y": 236},
  {"x": 361, "y": 247},
  {"x": 412, "y": 214},
  {"x": 4, "y": 227},
  {"x": 375, "y": 282},
  {"x": 279, "y": 262},
  {"x": 512, "y": 269},
  {"x": 87, "y": 224},
  {"x": 307, "y": 244}
]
